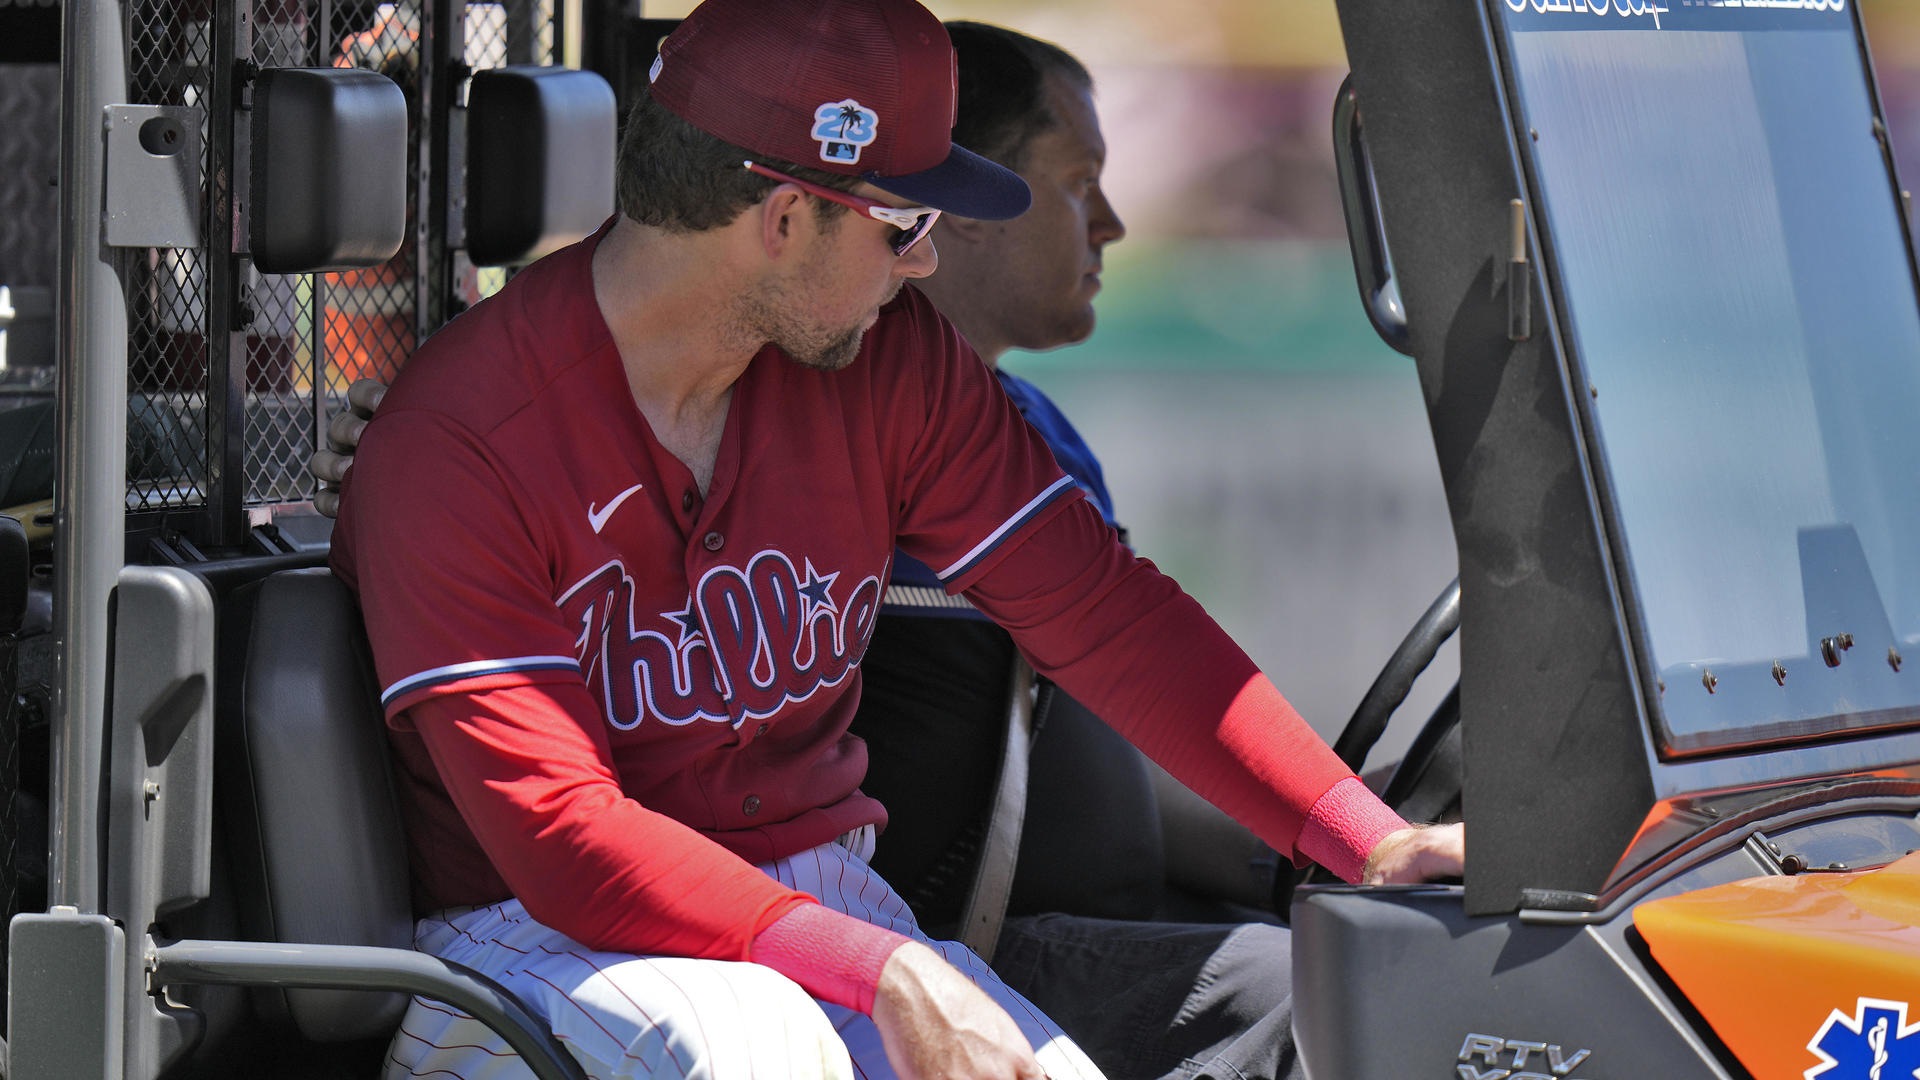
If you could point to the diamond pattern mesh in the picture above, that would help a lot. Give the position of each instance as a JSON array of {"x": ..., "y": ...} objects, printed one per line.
[
  {"x": 307, "y": 337},
  {"x": 278, "y": 424},
  {"x": 507, "y": 32},
  {"x": 167, "y": 432}
]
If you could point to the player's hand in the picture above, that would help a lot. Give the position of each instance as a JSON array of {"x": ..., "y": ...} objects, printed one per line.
[
  {"x": 1421, "y": 853},
  {"x": 936, "y": 1025},
  {"x": 330, "y": 466}
]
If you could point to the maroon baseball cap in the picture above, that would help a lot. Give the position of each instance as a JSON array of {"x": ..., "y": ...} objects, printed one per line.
[{"x": 860, "y": 87}]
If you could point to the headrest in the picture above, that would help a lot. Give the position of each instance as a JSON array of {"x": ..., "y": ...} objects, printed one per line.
[
  {"x": 540, "y": 161},
  {"x": 328, "y": 175}
]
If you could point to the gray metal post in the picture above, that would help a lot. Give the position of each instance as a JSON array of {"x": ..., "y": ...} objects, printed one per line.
[
  {"x": 159, "y": 795},
  {"x": 90, "y": 522}
]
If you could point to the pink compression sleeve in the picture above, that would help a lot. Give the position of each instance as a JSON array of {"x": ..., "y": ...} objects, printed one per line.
[
  {"x": 1344, "y": 826},
  {"x": 833, "y": 956}
]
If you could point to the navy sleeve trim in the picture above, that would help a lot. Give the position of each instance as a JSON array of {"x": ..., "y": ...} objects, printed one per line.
[
  {"x": 1058, "y": 490},
  {"x": 475, "y": 669}
]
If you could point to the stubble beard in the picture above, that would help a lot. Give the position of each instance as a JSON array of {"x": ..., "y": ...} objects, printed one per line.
[
  {"x": 836, "y": 355},
  {"x": 778, "y": 316}
]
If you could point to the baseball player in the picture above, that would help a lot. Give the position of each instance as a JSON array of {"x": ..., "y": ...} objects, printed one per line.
[
  {"x": 1209, "y": 998},
  {"x": 619, "y": 533}
]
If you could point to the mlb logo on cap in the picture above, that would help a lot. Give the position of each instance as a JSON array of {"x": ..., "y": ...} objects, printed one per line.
[{"x": 860, "y": 87}]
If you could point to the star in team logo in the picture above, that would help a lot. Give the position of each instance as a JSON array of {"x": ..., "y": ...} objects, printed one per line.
[
  {"x": 1875, "y": 1043},
  {"x": 817, "y": 594},
  {"x": 691, "y": 629}
]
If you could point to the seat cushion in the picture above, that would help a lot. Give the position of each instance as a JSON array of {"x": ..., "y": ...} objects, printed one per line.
[{"x": 310, "y": 817}]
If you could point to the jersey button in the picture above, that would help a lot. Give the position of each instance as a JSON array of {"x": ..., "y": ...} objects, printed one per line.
[
  {"x": 759, "y": 731},
  {"x": 686, "y": 501},
  {"x": 713, "y": 541},
  {"x": 750, "y": 805}
]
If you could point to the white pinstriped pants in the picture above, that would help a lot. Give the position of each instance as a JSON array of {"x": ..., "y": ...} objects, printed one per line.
[{"x": 672, "y": 1018}]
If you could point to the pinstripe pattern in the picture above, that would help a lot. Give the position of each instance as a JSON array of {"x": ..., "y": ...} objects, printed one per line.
[{"x": 671, "y": 1018}]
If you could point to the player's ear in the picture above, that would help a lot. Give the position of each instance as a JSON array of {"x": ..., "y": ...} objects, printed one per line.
[{"x": 780, "y": 214}]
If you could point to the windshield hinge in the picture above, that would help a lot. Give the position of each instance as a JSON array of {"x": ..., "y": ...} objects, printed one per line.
[{"x": 1519, "y": 281}]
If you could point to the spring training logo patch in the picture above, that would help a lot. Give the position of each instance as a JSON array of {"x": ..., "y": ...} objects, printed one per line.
[
  {"x": 842, "y": 128},
  {"x": 1875, "y": 1043},
  {"x": 749, "y": 642}
]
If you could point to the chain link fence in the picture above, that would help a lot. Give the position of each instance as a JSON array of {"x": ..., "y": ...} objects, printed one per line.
[
  {"x": 313, "y": 335},
  {"x": 305, "y": 337}
]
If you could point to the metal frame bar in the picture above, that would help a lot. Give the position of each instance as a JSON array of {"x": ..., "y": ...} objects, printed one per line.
[
  {"x": 90, "y": 519},
  {"x": 355, "y": 967},
  {"x": 226, "y": 331},
  {"x": 442, "y": 67}
]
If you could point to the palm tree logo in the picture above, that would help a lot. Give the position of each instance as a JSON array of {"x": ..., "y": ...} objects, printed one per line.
[
  {"x": 849, "y": 114},
  {"x": 842, "y": 128}
]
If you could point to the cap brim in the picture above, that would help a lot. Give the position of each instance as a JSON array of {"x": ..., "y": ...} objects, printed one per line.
[{"x": 965, "y": 184}]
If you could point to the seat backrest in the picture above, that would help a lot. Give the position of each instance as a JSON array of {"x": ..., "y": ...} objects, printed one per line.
[
  {"x": 933, "y": 711},
  {"x": 311, "y": 820}
]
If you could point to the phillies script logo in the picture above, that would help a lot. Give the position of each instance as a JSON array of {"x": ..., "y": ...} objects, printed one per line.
[{"x": 747, "y": 643}]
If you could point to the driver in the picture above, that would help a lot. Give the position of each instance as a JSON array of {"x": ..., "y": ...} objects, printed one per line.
[{"x": 618, "y": 535}]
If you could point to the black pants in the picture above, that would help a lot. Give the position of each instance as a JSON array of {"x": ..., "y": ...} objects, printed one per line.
[{"x": 1160, "y": 1000}]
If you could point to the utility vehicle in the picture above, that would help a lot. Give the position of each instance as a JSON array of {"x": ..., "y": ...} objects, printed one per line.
[{"x": 1650, "y": 258}]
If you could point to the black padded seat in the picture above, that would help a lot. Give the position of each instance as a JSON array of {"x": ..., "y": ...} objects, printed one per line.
[
  {"x": 311, "y": 819},
  {"x": 1091, "y": 841}
]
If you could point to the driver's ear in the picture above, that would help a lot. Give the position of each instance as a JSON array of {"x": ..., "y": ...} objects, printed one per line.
[{"x": 780, "y": 219}]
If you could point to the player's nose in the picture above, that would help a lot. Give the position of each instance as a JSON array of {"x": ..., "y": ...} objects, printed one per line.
[{"x": 920, "y": 260}]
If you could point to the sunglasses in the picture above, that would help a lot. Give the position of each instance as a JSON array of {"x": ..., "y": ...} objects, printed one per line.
[{"x": 911, "y": 222}]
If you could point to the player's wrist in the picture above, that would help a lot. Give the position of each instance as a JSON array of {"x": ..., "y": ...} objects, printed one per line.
[
  {"x": 833, "y": 956},
  {"x": 1345, "y": 827}
]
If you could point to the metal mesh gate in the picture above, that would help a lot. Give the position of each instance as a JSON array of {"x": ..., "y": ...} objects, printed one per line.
[
  {"x": 233, "y": 372},
  {"x": 168, "y": 439}
]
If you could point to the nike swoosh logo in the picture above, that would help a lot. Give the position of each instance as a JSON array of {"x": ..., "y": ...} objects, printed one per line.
[{"x": 598, "y": 518}]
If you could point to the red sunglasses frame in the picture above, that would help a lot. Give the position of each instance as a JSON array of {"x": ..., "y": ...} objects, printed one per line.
[{"x": 913, "y": 222}]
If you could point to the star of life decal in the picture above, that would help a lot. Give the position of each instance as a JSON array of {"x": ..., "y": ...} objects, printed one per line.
[{"x": 1875, "y": 1043}]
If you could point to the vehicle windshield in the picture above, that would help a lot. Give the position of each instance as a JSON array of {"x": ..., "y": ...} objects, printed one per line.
[{"x": 1729, "y": 246}]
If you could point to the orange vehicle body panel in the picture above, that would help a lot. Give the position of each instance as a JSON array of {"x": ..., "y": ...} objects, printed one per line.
[{"x": 1768, "y": 961}]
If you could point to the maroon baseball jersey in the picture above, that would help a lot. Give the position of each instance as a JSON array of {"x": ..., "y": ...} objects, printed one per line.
[
  {"x": 583, "y": 659},
  {"x": 511, "y": 521}
]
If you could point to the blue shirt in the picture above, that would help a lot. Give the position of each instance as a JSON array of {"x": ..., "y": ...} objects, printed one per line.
[{"x": 1069, "y": 449}]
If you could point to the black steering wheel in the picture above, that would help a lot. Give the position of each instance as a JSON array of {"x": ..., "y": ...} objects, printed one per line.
[{"x": 1426, "y": 783}]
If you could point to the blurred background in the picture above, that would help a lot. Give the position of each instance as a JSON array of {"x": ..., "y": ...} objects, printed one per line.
[{"x": 1263, "y": 446}]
